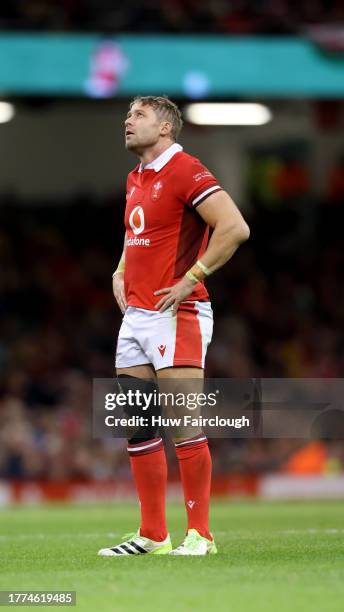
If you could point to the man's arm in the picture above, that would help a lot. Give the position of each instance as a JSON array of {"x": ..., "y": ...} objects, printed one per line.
[
  {"x": 230, "y": 230},
  {"x": 118, "y": 280}
]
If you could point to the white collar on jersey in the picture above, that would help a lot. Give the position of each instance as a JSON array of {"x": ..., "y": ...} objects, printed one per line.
[{"x": 162, "y": 160}]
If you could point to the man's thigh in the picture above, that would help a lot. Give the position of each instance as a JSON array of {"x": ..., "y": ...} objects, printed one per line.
[
  {"x": 145, "y": 371},
  {"x": 140, "y": 379},
  {"x": 180, "y": 372},
  {"x": 188, "y": 381}
]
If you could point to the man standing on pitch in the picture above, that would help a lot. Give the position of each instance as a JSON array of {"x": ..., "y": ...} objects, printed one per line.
[{"x": 172, "y": 200}]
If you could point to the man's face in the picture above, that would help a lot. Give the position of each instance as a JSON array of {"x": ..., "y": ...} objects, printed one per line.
[{"x": 142, "y": 128}]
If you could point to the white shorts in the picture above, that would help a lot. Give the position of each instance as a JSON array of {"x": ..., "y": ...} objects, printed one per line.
[{"x": 164, "y": 341}]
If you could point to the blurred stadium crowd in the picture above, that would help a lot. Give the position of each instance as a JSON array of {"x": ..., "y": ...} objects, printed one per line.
[
  {"x": 209, "y": 16},
  {"x": 279, "y": 306}
]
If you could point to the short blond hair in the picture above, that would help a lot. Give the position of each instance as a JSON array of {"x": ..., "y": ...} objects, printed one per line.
[{"x": 165, "y": 108}]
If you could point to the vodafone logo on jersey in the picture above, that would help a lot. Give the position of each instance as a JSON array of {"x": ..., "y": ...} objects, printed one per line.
[
  {"x": 137, "y": 224},
  {"x": 137, "y": 220}
]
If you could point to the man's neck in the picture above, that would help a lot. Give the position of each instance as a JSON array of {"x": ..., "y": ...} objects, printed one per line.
[{"x": 151, "y": 153}]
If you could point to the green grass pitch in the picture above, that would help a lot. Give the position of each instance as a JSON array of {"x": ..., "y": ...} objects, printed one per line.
[{"x": 272, "y": 557}]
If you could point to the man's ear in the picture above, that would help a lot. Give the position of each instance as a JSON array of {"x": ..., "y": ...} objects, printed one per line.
[{"x": 166, "y": 128}]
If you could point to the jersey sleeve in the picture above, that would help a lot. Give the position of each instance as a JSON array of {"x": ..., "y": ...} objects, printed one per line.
[{"x": 195, "y": 183}]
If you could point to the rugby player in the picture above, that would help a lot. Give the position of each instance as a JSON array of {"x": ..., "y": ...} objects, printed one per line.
[{"x": 172, "y": 201}]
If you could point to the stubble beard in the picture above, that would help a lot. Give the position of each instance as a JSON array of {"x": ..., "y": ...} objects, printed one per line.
[
  {"x": 130, "y": 147},
  {"x": 138, "y": 148},
  {"x": 134, "y": 147}
]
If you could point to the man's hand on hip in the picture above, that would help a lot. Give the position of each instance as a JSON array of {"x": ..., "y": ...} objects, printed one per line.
[{"x": 174, "y": 295}]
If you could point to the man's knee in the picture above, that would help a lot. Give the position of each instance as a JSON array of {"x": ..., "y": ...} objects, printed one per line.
[{"x": 139, "y": 393}]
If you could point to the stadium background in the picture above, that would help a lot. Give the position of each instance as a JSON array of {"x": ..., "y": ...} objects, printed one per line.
[
  {"x": 69, "y": 69},
  {"x": 278, "y": 304}
]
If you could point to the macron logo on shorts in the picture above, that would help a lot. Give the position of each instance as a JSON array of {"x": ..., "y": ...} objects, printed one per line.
[{"x": 162, "y": 349}]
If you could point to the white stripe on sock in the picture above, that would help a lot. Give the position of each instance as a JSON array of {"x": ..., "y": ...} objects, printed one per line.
[
  {"x": 139, "y": 448},
  {"x": 191, "y": 441}
]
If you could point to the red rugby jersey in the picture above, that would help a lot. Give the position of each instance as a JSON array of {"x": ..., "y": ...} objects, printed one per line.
[{"x": 165, "y": 234}]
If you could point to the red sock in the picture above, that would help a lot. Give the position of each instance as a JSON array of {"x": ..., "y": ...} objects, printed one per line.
[
  {"x": 149, "y": 467},
  {"x": 195, "y": 470}
]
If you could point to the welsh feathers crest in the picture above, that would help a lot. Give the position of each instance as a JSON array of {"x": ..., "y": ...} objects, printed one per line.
[{"x": 156, "y": 190}]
